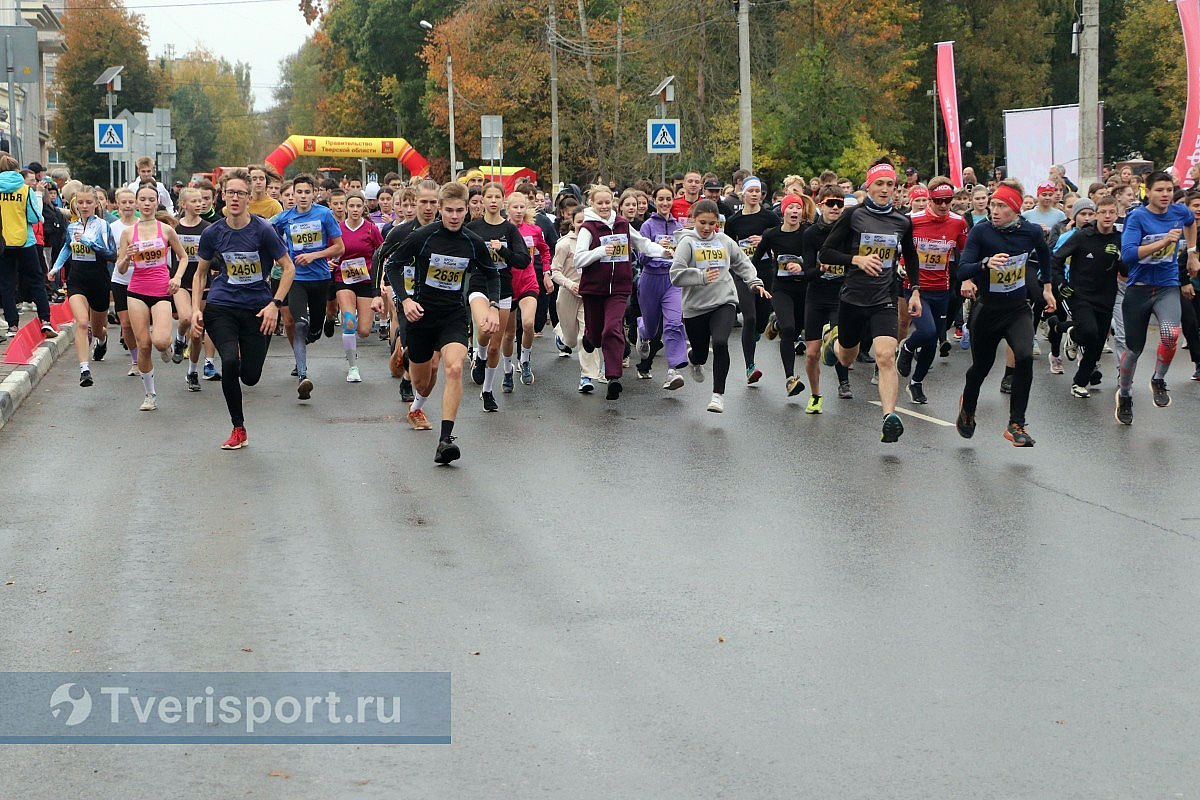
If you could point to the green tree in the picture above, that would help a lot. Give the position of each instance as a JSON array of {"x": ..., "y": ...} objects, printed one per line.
[
  {"x": 98, "y": 34},
  {"x": 1145, "y": 116},
  {"x": 211, "y": 111}
]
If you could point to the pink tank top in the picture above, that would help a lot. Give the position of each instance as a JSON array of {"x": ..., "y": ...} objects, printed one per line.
[{"x": 151, "y": 270}]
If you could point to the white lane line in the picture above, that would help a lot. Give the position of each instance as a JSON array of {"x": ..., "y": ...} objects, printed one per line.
[{"x": 934, "y": 420}]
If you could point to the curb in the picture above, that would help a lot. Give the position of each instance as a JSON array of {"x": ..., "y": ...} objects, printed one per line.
[{"x": 20, "y": 384}]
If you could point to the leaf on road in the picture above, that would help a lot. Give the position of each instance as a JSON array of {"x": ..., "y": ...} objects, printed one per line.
[
  {"x": 275, "y": 773},
  {"x": 721, "y": 639},
  {"x": 247, "y": 650},
  {"x": 475, "y": 653}
]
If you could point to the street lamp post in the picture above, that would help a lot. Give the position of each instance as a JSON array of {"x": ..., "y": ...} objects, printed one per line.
[{"x": 428, "y": 26}]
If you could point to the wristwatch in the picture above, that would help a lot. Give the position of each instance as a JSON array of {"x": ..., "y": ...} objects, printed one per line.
[
  {"x": 494, "y": 304},
  {"x": 278, "y": 303}
]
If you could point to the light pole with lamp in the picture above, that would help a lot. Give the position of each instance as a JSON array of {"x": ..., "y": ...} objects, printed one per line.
[{"x": 428, "y": 26}]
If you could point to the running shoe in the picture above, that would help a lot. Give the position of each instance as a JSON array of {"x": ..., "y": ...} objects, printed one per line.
[
  {"x": 447, "y": 451},
  {"x": 865, "y": 358},
  {"x": 295, "y": 373},
  {"x": 1006, "y": 384},
  {"x": 1080, "y": 391},
  {"x": 113, "y": 319},
  {"x": 674, "y": 380},
  {"x": 698, "y": 373},
  {"x": 875, "y": 375},
  {"x": 828, "y": 337},
  {"x": 815, "y": 405},
  {"x": 717, "y": 404},
  {"x": 1124, "y": 413},
  {"x": 99, "y": 349},
  {"x": 385, "y": 332},
  {"x": 406, "y": 391},
  {"x": 1037, "y": 347},
  {"x": 916, "y": 393},
  {"x": 527, "y": 377},
  {"x": 1161, "y": 397},
  {"x": 614, "y": 389},
  {"x": 772, "y": 330},
  {"x": 353, "y": 376},
  {"x": 1056, "y": 367},
  {"x": 304, "y": 389},
  {"x": 133, "y": 370},
  {"x": 193, "y": 382},
  {"x": 794, "y": 386},
  {"x": 48, "y": 329},
  {"x": 508, "y": 383},
  {"x": 904, "y": 360},
  {"x": 1107, "y": 347},
  {"x": 418, "y": 421},
  {"x": 1070, "y": 348},
  {"x": 150, "y": 403},
  {"x": 585, "y": 385},
  {"x": 965, "y": 424},
  {"x": 563, "y": 350},
  {"x": 1196, "y": 374},
  {"x": 177, "y": 348},
  {"x": 210, "y": 372},
  {"x": 643, "y": 346},
  {"x": 313, "y": 336},
  {"x": 327, "y": 328},
  {"x": 237, "y": 440},
  {"x": 165, "y": 355},
  {"x": 477, "y": 371},
  {"x": 844, "y": 391},
  {"x": 944, "y": 350},
  {"x": 85, "y": 378},
  {"x": 753, "y": 374},
  {"x": 489, "y": 401},
  {"x": 958, "y": 331},
  {"x": 964, "y": 341},
  {"x": 892, "y": 428},
  {"x": 643, "y": 372},
  {"x": 1017, "y": 434}
]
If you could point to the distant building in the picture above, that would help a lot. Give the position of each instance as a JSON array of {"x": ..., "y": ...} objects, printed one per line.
[{"x": 35, "y": 107}]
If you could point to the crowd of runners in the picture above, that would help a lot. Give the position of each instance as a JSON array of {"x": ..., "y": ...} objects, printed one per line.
[{"x": 887, "y": 271}]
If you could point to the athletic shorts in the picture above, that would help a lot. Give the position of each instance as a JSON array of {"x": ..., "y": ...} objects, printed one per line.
[
  {"x": 819, "y": 311},
  {"x": 189, "y": 275},
  {"x": 151, "y": 301},
  {"x": 363, "y": 289},
  {"x": 873, "y": 321},
  {"x": 92, "y": 285},
  {"x": 120, "y": 293},
  {"x": 433, "y": 332}
]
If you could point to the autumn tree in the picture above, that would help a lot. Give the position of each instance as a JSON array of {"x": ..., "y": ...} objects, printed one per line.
[{"x": 211, "y": 111}]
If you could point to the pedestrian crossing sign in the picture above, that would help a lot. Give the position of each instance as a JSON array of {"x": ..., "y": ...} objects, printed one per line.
[
  {"x": 110, "y": 135},
  {"x": 662, "y": 136}
]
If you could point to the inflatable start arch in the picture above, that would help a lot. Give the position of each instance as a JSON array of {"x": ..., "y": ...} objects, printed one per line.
[{"x": 346, "y": 147}]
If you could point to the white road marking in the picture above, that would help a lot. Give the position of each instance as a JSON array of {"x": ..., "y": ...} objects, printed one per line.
[{"x": 934, "y": 420}]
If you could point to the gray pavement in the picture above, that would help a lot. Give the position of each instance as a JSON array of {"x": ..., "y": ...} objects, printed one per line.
[{"x": 636, "y": 599}]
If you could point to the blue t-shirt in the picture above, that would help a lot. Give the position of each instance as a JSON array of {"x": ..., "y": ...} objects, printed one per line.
[
  {"x": 1142, "y": 226},
  {"x": 1047, "y": 219},
  {"x": 241, "y": 259},
  {"x": 309, "y": 232}
]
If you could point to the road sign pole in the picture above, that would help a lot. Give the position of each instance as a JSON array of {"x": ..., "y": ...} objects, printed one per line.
[{"x": 12, "y": 100}]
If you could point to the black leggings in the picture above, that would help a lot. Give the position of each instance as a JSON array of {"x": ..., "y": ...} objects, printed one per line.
[
  {"x": 755, "y": 311},
  {"x": 237, "y": 335},
  {"x": 712, "y": 326},
  {"x": 1056, "y": 325},
  {"x": 1089, "y": 330},
  {"x": 788, "y": 299},
  {"x": 23, "y": 264},
  {"x": 1191, "y": 325},
  {"x": 990, "y": 326}
]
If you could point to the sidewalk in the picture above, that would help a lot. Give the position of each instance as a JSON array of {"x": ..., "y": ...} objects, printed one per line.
[{"x": 17, "y": 381}]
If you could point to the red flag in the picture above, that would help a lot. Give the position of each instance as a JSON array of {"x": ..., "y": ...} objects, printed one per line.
[
  {"x": 948, "y": 100},
  {"x": 1189, "y": 139}
]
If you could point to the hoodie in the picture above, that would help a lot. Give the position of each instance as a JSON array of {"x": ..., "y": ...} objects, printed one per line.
[
  {"x": 609, "y": 275},
  {"x": 693, "y": 255},
  {"x": 17, "y": 210},
  {"x": 655, "y": 227}
]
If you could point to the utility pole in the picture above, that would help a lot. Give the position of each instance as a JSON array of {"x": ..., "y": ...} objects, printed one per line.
[
  {"x": 745, "y": 132},
  {"x": 1088, "y": 32},
  {"x": 553, "y": 96},
  {"x": 450, "y": 108}
]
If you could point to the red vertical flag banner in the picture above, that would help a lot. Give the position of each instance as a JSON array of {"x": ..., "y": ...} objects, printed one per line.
[
  {"x": 1189, "y": 139},
  {"x": 948, "y": 100}
]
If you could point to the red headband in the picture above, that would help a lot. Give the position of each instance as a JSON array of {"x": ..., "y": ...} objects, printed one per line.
[
  {"x": 880, "y": 171},
  {"x": 1009, "y": 196},
  {"x": 790, "y": 200},
  {"x": 918, "y": 191},
  {"x": 942, "y": 191}
]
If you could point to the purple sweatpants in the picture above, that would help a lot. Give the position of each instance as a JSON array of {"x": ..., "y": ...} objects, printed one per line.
[
  {"x": 604, "y": 326},
  {"x": 662, "y": 303}
]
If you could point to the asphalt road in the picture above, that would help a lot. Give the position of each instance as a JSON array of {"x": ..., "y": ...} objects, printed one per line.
[{"x": 635, "y": 599}]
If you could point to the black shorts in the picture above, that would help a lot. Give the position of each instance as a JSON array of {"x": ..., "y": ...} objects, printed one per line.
[
  {"x": 363, "y": 289},
  {"x": 820, "y": 308},
  {"x": 873, "y": 321},
  {"x": 91, "y": 284},
  {"x": 433, "y": 332},
  {"x": 189, "y": 275},
  {"x": 151, "y": 301},
  {"x": 120, "y": 293}
]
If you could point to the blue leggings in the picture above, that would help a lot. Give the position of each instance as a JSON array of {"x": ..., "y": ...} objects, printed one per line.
[{"x": 922, "y": 342}]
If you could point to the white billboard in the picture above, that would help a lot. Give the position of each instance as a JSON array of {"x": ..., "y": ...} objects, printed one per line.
[{"x": 1035, "y": 138}]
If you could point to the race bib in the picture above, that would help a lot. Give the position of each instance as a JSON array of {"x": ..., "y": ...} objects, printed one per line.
[
  {"x": 1012, "y": 277},
  {"x": 496, "y": 257},
  {"x": 191, "y": 246},
  {"x": 446, "y": 272},
  {"x": 529, "y": 242},
  {"x": 306, "y": 235},
  {"x": 781, "y": 266},
  {"x": 620, "y": 246},
  {"x": 748, "y": 247},
  {"x": 150, "y": 252},
  {"x": 711, "y": 257},
  {"x": 1164, "y": 254},
  {"x": 81, "y": 252},
  {"x": 934, "y": 254},
  {"x": 833, "y": 272},
  {"x": 410, "y": 279},
  {"x": 354, "y": 270},
  {"x": 883, "y": 245},
  {"x": 242, "y": 268}
]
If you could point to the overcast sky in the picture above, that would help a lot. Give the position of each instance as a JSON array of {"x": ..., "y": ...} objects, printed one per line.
[{"x": 258, "y": 32}]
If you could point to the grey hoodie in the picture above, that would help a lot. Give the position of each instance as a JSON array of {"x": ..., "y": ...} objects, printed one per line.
[{"x": 718, "y": 251}]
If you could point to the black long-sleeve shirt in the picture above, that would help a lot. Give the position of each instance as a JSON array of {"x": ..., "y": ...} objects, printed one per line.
[
  {"x": 442, "y": 260},
  {"x": 1092, "y": 258},
  {"x": 776, "y": 249},
  {"x": 1013, "y": 284},
  {"x": 862, "y": 231}
]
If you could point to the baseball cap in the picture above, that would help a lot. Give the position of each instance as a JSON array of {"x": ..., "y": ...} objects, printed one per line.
[
  {"x": 910, "y": 171},
  {"x": 712, "y": 186}
]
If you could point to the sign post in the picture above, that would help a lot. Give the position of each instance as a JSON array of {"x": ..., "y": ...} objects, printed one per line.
[
  {"x": 491, "y": 141},
  {"x": 662, "y": 137}
]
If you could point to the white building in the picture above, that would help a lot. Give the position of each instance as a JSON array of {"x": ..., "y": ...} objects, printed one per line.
[{"x": 34, "y": 105}]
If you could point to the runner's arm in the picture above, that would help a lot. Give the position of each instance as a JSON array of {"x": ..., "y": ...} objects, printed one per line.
[{"x": 837, "y": 244}]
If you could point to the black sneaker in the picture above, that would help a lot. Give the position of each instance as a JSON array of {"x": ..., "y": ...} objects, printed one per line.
[
  {"x": 304, "y": 389},
  {"x": 614, "y": 389},
  {"x": 295, "y": 372},
  {"x": 1124, "y": 409},
  {"x": 904, "y": 361},
  {"x": 99, "y": 349},
  {"x": 193, "y": 382},
  {"x": 328, "y": 327},
  {"x": 892, "y": 428},
  {"x": 477, "y": 371},
  {"x": 177, "y": 348},
  {"x": 917, "y": 394},
  {"x": 489, "y": 401},
  {"x": 406, "y": 391},
  {"x": 865, "y": 358},
  {"x": 1097, "y": 376},
  {"x": 1006, "y": 384},
  {"x": 1159, "y": 387},
  {"x": 313, "y": 336},
  {"x": 965, "y": 424},
  {"x": 1017, "y": 434},
  {"x": 85, "y": 378},
  {"x": 844, "y": 392},
  {"x": 944, "y": 350},
  {"x": 447, "y": 451}
]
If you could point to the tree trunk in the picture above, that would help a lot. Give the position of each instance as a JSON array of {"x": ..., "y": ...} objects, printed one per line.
[{"x": 593, "y": 94}]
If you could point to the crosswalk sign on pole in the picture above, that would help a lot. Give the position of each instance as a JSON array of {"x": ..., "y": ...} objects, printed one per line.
[
  {"x": 662, "y": 136},
  {"x": 110, "y": 135}
]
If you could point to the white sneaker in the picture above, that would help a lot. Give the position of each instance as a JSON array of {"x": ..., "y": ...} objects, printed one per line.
[
  {"x": 133, "y": 370},
  {"x": 352, "y": 376},
  {"x": 674, "y": 380},
  {"x": 698, "y": 373},
  {"x": 1056, "y": 367},
  {"x": 1037, "y": 347},
  {"x": 150, "y": 403},
  {"x": 717, "y": 404}
]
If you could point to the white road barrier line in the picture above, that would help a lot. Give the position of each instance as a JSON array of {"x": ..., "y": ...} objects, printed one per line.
[{"x": 934, "y": 420}]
